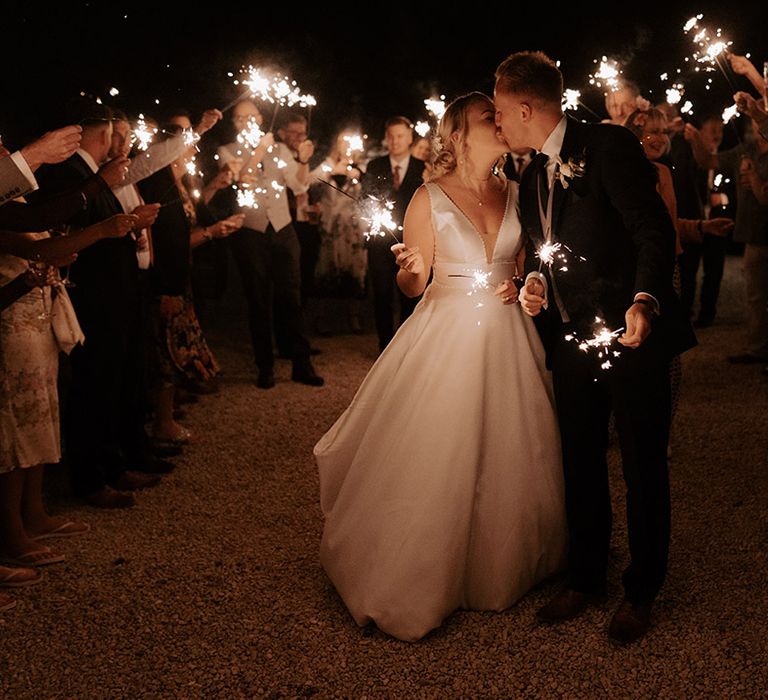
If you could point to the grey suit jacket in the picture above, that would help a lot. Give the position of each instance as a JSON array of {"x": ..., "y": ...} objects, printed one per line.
[{"x": 14, "y": 182}]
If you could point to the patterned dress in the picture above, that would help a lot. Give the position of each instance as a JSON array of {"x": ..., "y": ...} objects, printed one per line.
[{"x": 29, "y": 363}]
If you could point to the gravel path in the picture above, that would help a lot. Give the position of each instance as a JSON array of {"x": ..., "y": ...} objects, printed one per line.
[{"x": 210, "y": 587}]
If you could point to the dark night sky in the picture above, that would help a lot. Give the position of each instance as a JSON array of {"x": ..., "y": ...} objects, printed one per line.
[{"x": 355, "y": 69}]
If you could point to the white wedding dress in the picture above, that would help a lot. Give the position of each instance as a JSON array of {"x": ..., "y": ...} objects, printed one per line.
[{"x": 441, "y": 483}]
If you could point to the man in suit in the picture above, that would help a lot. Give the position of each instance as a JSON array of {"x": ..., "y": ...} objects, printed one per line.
[
  {"x": 623, "y": 245},
  {"x": 104, "y": 418},
  {"x": 393, "y": 177},
  {"x": 516, "y": 163}
]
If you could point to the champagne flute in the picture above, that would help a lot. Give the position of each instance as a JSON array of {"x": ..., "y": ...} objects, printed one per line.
[{"x": 64, "y": 231}]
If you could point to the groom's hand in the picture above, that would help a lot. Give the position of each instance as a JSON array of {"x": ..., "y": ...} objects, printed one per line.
[
  {"x": 532, "y": 297},
  {"x": 638, "y": 325}
]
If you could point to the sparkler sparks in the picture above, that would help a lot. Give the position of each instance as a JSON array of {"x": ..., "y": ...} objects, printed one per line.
[
  {"x": 379, "y": 216},
  {"x": 571, "y": 99},
  {"x": 142, "y": 134},
  {"x": 600, "y": 342},
  {"x": 607, "y": 74},
  {"x": 422, "y": 128},
  {"x": 436, "y": 106},
  {"x": 730, "y": 113}
]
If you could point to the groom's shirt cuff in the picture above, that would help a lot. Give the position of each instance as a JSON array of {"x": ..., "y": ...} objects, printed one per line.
[{"x": 656, "y": 307}]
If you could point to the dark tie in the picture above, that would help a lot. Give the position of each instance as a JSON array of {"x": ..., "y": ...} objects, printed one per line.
[
  {"x": 396, "y": 177},
  {"x": 539, "y": 162},
  {"x": 520, "y": 165}
]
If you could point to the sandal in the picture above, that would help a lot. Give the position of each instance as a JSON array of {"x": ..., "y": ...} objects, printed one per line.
[
  {"x": 37, "y": 557},
  {"x": 18, "y": 578},
  {"x": 6, "y": 602},
  {"x": 70, "y": 528}
]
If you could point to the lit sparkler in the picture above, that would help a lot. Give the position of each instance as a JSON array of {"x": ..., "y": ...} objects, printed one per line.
[
  {"x": 553, "y": 253},
  {"x": 730, "y": 113},
  {"x": 600, "y": 342},
  {"x": 142, "y": 134},
  {"x": 379, "y": 216},
  {"x": 607, "y": 74},
  {"x": 354, "y": 144},
  {"x": 422, "y": 128},
  {"x": 435, "y": 106}
]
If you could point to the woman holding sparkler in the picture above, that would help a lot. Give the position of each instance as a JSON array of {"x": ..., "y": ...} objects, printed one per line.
[{"x": 441, "y": 483}]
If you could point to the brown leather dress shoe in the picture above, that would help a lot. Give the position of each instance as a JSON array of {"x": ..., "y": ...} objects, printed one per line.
[
  {"x": 629, "y": 622},
  {"x": 109, "y": 498},
  {"x": 566, "y": 605}
]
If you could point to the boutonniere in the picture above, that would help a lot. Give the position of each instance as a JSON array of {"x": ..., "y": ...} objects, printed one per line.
[{"x": 570, "y": 170}]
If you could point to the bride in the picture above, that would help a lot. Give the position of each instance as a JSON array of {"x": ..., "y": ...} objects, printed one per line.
[{"x": 441, "y": 483}]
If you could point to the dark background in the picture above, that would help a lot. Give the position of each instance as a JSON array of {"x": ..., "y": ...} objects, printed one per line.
[{"x": 358, "y": 71}]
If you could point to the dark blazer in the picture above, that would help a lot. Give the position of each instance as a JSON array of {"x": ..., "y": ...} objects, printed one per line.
[
  {"x": 377, "y": 181},
  {"x": 105, "y": 273},
  {"x": 52, "y": 211},
  {"x": 614, "y": 218},
  {"x": 170, "y": 234}
]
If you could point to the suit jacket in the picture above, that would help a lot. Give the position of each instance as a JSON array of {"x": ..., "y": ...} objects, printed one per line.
[
  {"x": 49, "y": 212},
  {"x": 614, "y": 218},
  {"x": 377, "y": 181},
  {"x": 510, "y": 165},
  {"x": 106, "y": 273},
  {"x": 13, "y": 182}
]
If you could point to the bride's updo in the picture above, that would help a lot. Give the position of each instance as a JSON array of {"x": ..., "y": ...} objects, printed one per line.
[{"x": 448, "y": 153}]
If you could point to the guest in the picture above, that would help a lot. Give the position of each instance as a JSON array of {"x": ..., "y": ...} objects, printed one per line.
[
  {"x": 422, "y": 150},
  {"x": 267, "y": 250},
  {"x": 181, "y": 353},
  {"x": 293, "y": 133},
  {"x": 343, "y": 260},
  {"x": 622, "y": 102},
  {"x": 516, "y": 163},
  {"x": 751, "y": 229},
  {"x": 104, "y": 420},
  {"x": 392, "y": 177}
]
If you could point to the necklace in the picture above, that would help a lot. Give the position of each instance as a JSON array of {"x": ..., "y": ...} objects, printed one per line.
[{"x": 478, "y": 196}]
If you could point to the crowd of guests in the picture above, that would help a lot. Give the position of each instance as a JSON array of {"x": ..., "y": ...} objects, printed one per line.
[{"x": 109, "y": 242}]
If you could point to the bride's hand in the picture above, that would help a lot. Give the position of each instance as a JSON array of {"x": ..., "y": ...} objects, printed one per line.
[
  {"x": 507, "y": 291},
  {"x": 408, "y": 259}
]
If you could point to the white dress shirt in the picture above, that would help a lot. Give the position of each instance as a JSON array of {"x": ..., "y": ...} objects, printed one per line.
[{"x": 403, "y": 163}]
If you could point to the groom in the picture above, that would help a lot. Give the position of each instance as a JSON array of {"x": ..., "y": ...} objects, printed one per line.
[{"x": 591, "y": 189}]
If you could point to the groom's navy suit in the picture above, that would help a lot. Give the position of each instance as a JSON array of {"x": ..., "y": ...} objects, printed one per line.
[{"x": 613, "y": 218}]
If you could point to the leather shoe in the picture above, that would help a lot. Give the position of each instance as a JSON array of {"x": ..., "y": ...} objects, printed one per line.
[
  {"x": 266, "y": 379},
  {"x": 135, "y": 481},
  {"x": 305, "y": 374},
  {"x": 629, "y": 622},
  {"x": 566, "y": 605},
  {"x": 109, "y": 498}
]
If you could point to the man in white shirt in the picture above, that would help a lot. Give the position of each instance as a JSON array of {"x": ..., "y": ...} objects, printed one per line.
[{"x": 266, "y": 249}]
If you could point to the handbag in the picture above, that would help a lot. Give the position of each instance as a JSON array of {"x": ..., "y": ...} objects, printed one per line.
[{"x": 64, "y": 323}]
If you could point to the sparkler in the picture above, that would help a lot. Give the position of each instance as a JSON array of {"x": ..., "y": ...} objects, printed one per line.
[
  {"x": 551, "y": 253},
  {"x": 379, "y": 216},
  {"x": 712, "y": 50},
  {"x": 480, "y": 280},
  {"x": 436, "y": 106},
  {"x": 422, "y": 128},
  {"x": 142, "y": 135},
  {"x": 572, "y": 100},
  {"x": 600, "y": 342},
  {"x": 730, "y": 113},
  {"x": 608, "y": 73}
]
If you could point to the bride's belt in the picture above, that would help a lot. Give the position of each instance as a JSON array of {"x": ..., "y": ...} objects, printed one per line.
[{"x": 472, "y": 277}]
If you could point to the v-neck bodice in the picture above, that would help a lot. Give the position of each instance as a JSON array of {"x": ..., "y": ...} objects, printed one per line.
[{"x": 458, "y": 243}]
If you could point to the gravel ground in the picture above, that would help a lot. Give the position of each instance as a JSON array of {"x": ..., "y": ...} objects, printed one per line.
[{"x": 211, "y": 587}]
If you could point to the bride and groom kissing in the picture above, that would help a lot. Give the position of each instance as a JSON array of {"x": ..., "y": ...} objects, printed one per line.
[{"x": 471, "y": 463}]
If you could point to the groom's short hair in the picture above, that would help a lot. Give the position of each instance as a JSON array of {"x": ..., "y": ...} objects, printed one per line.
[{"x": 533, "y": 74}]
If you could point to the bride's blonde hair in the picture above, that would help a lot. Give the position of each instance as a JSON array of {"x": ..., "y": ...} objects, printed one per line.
[{"x": 449, "y": 154}]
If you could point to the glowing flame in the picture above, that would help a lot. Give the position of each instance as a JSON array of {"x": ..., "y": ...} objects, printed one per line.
[
  {"x": 422, "y": 128},
  {"x": 571, "y": 99},
  {"x": 436, "y": 106}
]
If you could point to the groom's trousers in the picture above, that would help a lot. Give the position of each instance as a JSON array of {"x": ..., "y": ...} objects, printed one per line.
[{"x": 636, "y": 390}]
